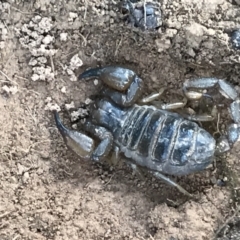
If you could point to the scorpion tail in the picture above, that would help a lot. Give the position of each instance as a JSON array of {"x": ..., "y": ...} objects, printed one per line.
[
  {"x": 78, "y": 142},
  {"x": 93, "y": 72}
]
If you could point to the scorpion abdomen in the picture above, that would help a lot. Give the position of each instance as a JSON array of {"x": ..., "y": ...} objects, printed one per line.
[
  {"x": 157, "y": 139},
  {"x": 157, "y": 135},
  {"x": 164, "y": 141}
]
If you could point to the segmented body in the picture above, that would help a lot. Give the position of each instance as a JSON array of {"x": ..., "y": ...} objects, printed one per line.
[{"x": 157, "y": 139}]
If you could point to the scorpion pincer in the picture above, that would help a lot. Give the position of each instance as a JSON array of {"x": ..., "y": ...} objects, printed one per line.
[{"x": 154, "y": 138}]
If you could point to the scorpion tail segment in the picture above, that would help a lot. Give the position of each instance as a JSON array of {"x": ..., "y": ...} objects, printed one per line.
[
  {"x": 93, "y": 72},
  {"x": 78, "y": 142}
]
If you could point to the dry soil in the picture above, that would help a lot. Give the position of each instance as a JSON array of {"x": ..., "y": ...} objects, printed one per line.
[{"x": 46, "y": 191}]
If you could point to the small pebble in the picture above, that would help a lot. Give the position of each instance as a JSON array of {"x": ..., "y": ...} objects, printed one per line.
[
  {"x": 70, "y": 105},
  {"x": 213, "y": 180},
  {"x": 88, "y": 101},
  {"x": 74, "y": 126},
  {"x": 25, "y": 177},
  {"x": 73, "y": 15},
  {"x": 221, "y": 183},
  {"x": 63, "y": 37},
  {"x": 63, "y": 90}
]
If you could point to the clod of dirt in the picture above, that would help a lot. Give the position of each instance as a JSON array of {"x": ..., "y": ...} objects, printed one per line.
[
  {"x": 63, "y": 37},
  {"x": 63, "y": 90},
  {"x": 95, "y": 81},
  {"x": 36, "y": 37},
  {"x": 163, "y": 44},
  {"x": 12, "y": 89},
  {"x": 42, "y": 73},
  {"x": 70, "y": 106},
  {"x": 50, "y": 106},
  {"x": 75, "y": 63},
  {"x": 3, "y": 35},
  {"x": 4, "y": 6},
  {"x": 88, "y": 101},
  {"x": 48, "y": 39},
  {"x": 145, "y": 15},
  {"x": 72, "y": 16},
  {"x": 4, "y": 32},
  {"x": 25, "y": 177},
  {"x": 80, "y": 113},
  {"x": 38, "y": 61}
]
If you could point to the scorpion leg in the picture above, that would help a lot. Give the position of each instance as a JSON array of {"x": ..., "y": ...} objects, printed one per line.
[
  {"x": 153, "y": 97},
  {"x": 115, "y": 156},
  {"x": 137, "y": 170},
  {"x": 176, "y": 105},
  {"x": 225, "y": 88},
  {"x": 106, "y": 138},
  {"x": 200, "y": 117},
  {"x": 171, "y": 182},
  {"x": 78, "y": 142},
  {"x": 124, "y": 86},
  {"x": 168, "y": 106}
]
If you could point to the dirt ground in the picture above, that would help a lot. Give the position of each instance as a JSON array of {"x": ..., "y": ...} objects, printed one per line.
[{"x": 46, "y": 191}]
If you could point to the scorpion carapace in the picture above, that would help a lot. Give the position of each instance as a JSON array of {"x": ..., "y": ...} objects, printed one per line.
[{"x": 155, "y": 138}]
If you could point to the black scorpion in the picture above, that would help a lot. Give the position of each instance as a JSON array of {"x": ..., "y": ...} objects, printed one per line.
[{"x": 162, "y": 141}]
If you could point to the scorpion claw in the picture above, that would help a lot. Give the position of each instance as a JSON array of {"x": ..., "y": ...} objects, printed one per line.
[
  {"x": 125, "y": 87},
  {"x": 116, "y": 77},
  {"x": 90, "y": 73},
  {"x": 76, "y": 141}
]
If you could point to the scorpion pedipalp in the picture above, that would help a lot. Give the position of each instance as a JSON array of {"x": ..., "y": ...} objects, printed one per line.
[
  {"x": 78, "y": 142},
  {"x": 128, "y": 85},
  {"x": 116, "y": 77},
  {"x": 82, "y": 144}
]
